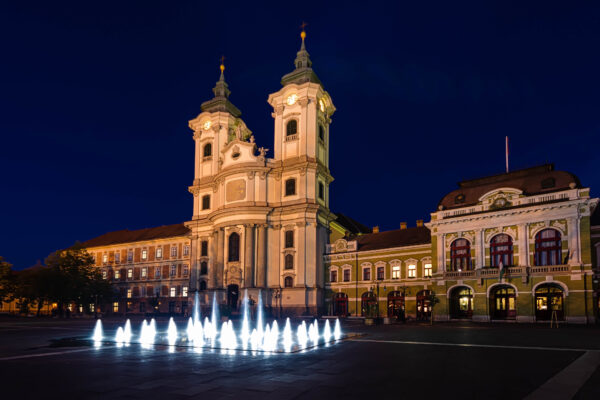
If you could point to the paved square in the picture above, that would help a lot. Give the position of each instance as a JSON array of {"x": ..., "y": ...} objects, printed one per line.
[{"x": 449, "y": 360}]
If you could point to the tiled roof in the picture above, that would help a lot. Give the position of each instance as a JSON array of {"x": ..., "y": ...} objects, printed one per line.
[
  {"x": 351, "y": 225},
  {"x": 395, "y": 238},
  {"x": 536, "y": 180},
  {"x": 127, "y": 236}
]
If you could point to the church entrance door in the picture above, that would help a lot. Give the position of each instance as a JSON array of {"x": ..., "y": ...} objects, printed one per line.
[{"x": 233, "y": 293}]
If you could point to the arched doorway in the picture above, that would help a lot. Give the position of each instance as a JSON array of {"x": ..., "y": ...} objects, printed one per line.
[
  {"x": 423, "y": 305},
  {"x": 503, "y": 299},
  {"x": 340, "y": 304},
  {"x": 396, "y": 305},
  {"x": 368, "y": 304},
  {"x": 549, "y": 298},
  {"x": 461, "y": 302},
  {"x": 233, "y": 293}
]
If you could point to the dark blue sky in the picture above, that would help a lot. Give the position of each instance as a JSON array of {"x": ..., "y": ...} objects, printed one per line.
[{"x": 95, "y": 99}]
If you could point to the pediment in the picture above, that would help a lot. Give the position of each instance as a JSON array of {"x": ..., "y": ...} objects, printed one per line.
[{"x": 501, "y": 197}]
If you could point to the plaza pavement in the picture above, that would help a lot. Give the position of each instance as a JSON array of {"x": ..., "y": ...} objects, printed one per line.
[{"x": 446, "y": 360}]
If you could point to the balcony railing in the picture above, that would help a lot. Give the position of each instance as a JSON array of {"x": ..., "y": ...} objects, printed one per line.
[{"x": 490, "y": 272}]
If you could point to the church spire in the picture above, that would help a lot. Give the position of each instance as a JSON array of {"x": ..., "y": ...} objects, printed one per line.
[
  {"x": 221, "y": 100},
  {"x": 303, "y": 72}
]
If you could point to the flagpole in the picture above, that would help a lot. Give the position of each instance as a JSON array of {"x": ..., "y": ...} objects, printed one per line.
[{"x": 506, "y": 151}]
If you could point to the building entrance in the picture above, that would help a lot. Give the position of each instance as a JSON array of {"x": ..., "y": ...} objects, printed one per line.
[
  {"x": 233, "y": 293},
  {"x": 461, "y": 303},
  {"x": 548, "y": 299},
  {"x": 503, "y": 303}
]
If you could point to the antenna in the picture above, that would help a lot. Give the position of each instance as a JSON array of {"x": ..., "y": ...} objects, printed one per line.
[{"x": 506, "y": 154}]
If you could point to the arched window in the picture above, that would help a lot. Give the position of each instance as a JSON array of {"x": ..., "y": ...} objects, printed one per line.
[
  {"x": 202, "y": 285},
  {"x": 321, "y": 133},
  {"x": 206, "y": 202},
  {"x": 291, "y": 128},
  {"x": 460, "y": 255},
  {"x": 288, "y": 282},
  {"x": 289, "y": 261},
  {"x": 548, "y": 247},
  {"x": 207, "y": 152},
  {"x": 501, "y": 250},
  {"x": 290, "y": 187},
  {"x": 234, "y": 247},
  {"x": 203, "y": 268}
]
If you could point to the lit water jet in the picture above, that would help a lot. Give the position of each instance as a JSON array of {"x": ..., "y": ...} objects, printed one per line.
[
  {"x": 313, "y": 333},
  {"x": 197, "y": 316},
  {"x": 254, "y": 340},
  {"x": 337, "y": 330},
  {"x": 98, "y": 333},
  {"x": 245, "y": 334},
  {"x": 259, "y": 317},
  {"x": 127, "y": 332},
  {"x": 190, "y": 330},
  {"x": 302, "y": 335},
  {"x": 327, "y": 332},
  {"x": 198, "y": 335},
  {"x": 120, "y": 337},
  {"x": 287, "y": 336},
  {"x": 172, "y": 332},
  {"x": 214, "y": 318}
]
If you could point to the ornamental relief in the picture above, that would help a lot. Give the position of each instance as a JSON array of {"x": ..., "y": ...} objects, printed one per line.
[
  {"x": 341, "y": 245},
  {"x": 533, "y": 228},
  {"x": 469, "y": 235},
  {"x": 450, "y": 237},
  {"x": 560, "y": 224},
  {"x": 511, "y": 231},
  {"x": 489, "y": 233},
  {"x": 233, "y": 275}
]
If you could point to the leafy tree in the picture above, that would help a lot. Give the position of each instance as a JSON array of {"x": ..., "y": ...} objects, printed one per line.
[
  {"x": 433, "y": 300},
  {"x": 6, "y": 280}
]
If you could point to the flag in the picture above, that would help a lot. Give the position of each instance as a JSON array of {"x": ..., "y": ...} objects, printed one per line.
[
  {"x": 501, "y": 269},
  {"x": 506, "y": 146}
]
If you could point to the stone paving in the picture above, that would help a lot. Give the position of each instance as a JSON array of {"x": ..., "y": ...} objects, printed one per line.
[{"x": 387, "y": 361}]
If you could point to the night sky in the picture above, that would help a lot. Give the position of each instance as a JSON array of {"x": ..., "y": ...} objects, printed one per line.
[{"x": 96, "y": 98}]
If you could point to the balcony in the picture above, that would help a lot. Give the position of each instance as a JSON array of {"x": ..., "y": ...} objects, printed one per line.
[{"x": 494, "y": 272}]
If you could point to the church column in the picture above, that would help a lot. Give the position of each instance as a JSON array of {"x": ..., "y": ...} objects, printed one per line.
[
  {"x": 212, "y": 272},
  {"x": 261, "y": 262},
  {"x": 249, "y": 256},
  {"x": 220, "y": 257},
  {"x": 194, "y": 263}
]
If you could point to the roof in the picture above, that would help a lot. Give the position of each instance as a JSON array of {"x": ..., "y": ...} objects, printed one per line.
[
  {"x": 396, "y": 238},
  {"x": 127, "y": 236},
  {"x": 532, "y": 181},
  {"x": 351, "y": 225}
]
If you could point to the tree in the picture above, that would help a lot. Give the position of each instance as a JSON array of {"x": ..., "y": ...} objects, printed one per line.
[{"x": 6, "y": 280}]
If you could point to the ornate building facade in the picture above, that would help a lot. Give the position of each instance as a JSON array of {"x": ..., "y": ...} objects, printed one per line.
[{"x": 517, "y": 246}]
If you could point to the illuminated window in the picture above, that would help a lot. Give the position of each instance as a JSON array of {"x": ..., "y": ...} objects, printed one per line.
[
  {"x": 117, "y": 274},
  {"x": 130, "y": 273},
  {"x": 186, "y": 270},
  {"x": 144, "y": 254},
  {"x": 186, "y": 250},
  {"x": 346, "y": 275},
  {"x": 173, "y": 270},
  {"x": 159, "y": 252},
  {"x": 396, "y": 272},
  {"x": 204, "y": 249},
  {"x": 380, "y": 273},
  {"x": 412, "y": 271},
  {"x": 289, "y": 261},
  {"x": 173, "y": 292},
  {"x": 333, "y": 276},
  {"x": 104, "y": 274},
  {"x": 206, "y": 202},
  {"x": 367, "y": 274},
  {"x": 129, "y": 255},
  {"x": 92, "y": 308},
  {"x": 105, "y": 258},
  {"x": 144, "y": 272},
  {"x": 115, "y": 307},
  {"x": 174, "y": 251},
  {"x": 427, "y": 271},
  {"x": 184, "y": 291},
  {"x": 129, "y": 293},
  {"x": 289, "y": 239},
  {"x": 157, "y": 272},
  {"x": 117, "y": 257},
  {"x": 290, "y": 187},
  {"x": 288, "y": 282}
]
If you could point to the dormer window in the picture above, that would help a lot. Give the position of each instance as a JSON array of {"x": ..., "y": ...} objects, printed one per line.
[
  {"x": 207, "y": 151},
  {"x": 548, "y": 183},
  {"x": 459, "y": 199},
  {"x": 290, "y": 187},
  {"x": 291, "y": 128}
]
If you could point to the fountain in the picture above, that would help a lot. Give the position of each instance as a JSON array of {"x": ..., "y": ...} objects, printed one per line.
[
  {"x": 197, "y": 315},
  {"x": 261, "y": 337}
]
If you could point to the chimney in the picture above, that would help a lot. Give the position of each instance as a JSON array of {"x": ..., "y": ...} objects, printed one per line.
[
  {"x": 402, "y": 225},
  {"x": 420, "y": 223},
  {"x": 376, "y": 229}
]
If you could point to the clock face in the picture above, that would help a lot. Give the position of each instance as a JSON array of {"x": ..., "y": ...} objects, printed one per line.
[
  {"x": 291, "y": 100},
  {"x": 501, "y": 202},
  {"x": 206, "y": 125},
  {"x": 322, "y": 105}
]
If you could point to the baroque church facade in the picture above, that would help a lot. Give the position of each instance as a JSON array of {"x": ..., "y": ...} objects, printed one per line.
[{"x": 522, "y": 246}]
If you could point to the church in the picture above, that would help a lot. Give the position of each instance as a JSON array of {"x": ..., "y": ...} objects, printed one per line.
[{"x": 522, "y": 246}]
